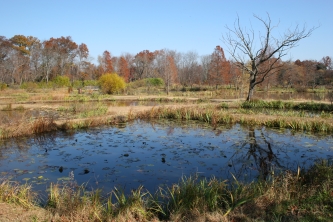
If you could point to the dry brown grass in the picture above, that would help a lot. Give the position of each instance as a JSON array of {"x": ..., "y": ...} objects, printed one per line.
[{"x": 24, "y": 127}]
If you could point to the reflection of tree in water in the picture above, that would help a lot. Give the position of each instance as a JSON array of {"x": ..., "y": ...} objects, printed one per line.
[
  {"x": 45, "y": 141},
  {"x": 260, "y": 153},
  {"x": 263, "y": 155},
  {"x": 21, "y": 145}
]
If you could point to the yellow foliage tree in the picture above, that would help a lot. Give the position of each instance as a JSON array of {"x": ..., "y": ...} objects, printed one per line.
[{"x": 111, "y": 83}]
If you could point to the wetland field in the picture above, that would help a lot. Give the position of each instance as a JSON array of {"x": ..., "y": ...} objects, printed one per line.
[{"x": 92, "y": 157}]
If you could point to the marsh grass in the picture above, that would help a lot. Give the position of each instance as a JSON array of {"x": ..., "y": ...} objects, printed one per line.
[
  {"x": 192, "y": 196},
  {"x": 27, "y": 126},
  {"x": 139, "y": 205},
  {"x": 215, "y": 115},
  {"x": 82, "y": 110},
  {"x": 304, "y": 195},
  {"x": 309, "y": 106},
  {"x": 43, "y": 124},
  {"x": 75, "y": 202},
  {"x": 92, "y": 122},
  {"x": 13, "y": 192}
]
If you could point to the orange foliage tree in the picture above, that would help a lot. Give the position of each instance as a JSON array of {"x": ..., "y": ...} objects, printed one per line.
[
  {"x": 124, "y": 70},
  {"x": 219, "y": 68},
  {"x": 105, "y": 62},
  {"x": 64, "y": 50}
]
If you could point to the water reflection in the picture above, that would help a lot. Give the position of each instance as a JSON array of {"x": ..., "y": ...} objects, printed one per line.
[
  {"x": 262, "y": 154},
  {"x": 157, "y": 153}
]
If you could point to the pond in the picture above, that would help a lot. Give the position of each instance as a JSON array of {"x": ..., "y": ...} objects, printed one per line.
[{"x": 156, "y": 154}]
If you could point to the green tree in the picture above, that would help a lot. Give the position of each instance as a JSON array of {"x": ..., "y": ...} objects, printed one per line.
[{"x": 111, "y": 83}]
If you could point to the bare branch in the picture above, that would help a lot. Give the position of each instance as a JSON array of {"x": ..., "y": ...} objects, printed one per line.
[{"x": 263, "y": 61}]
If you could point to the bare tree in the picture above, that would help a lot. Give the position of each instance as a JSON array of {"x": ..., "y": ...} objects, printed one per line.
[
  {"x": 205, "y": 62},
  {"x": 166, "y": 67},
  {"x": 263, "y": 57},
  {"x": 188, "y": 68}
]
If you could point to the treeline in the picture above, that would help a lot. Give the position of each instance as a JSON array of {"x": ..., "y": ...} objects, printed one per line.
[{"x": 28, "y": 59}]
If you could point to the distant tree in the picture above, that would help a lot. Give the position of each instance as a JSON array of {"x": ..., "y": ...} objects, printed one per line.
[
  {"x": 5, "y": 53},
  {"x": 271, "y": 78},
  {"x": 143, "y": 64},
  {"x": 35, "y": 55},
  {"x": 48, "y": 58},
  {"x": 64, "y": 49},
  {"x": 21, "y": 43},
  {"x": 188, "y": 72},
  {"x": 236, "y": 76},
  {"x": 205, "y": 63},
  {"x": 327, "y": 61},
  {"x": 290, "y": 75},
  {"x": 310, "y": 72},
  {"x": 124, "y": 69},
  {"x": 243, "y": 48},
  {"x": 166, "y": 67},
  {"x": 170, "y": 76},
  {"x": 216, "y": 67},
  {"x": 82, "y": 56},
  {"x": 105, "y": 62}
]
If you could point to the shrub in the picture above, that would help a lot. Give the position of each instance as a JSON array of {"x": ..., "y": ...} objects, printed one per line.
[
  {"x": 146, "y": 82},
  {"x": 61, "y": 81},
  {"x": 3, "y": 86},
  {"x": 45, "y": 85},
  {"x": 78, "y": 84},
  {"x": 29, "y": 86},
  {"x": 137, "y": 83},
  {"x": 155, "y": 81},
  {"x": 90, "y": 83},
  {"x": 111, "y": 83}
]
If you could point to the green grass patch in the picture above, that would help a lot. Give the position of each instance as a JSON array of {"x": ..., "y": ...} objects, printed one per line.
[{"x": 309, "y": 106}]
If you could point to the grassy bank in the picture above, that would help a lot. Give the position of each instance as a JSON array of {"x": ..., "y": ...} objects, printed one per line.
[
  {"x": 290, "y": 196},
  {"x": 216, "y": 115},
  {"x": 309, "y": 117}
]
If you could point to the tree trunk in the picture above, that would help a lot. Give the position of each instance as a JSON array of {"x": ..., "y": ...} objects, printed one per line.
[
  {"x": 251, "y": 88},
  {"x": 250, "y": 94},
  {"x": 168, "y": 87}
]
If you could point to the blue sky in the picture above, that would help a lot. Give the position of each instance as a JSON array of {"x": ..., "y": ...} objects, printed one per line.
[{"x": 130, "y": 26}]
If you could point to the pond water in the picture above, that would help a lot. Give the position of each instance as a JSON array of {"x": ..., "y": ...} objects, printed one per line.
[{"x": 157, "y": 154}]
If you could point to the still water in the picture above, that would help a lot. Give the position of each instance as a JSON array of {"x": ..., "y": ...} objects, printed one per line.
[{"x": 156, "y": 154}]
